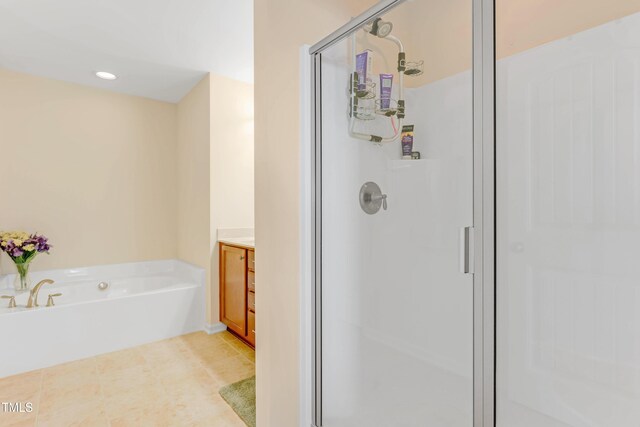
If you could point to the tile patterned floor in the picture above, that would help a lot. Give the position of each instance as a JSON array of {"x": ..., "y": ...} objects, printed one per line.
[{"x": 168, "y": 383}]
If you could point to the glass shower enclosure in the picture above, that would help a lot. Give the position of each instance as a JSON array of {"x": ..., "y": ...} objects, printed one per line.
[
  {"x": 477, "y": 213},
  {"x": 402, "y": 139}
]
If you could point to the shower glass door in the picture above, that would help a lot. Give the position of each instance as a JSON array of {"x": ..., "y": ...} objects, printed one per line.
[{"x": 395, "y": 340}]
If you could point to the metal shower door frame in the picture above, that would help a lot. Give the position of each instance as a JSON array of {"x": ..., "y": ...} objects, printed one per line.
[{"x": 484, "y": 358}]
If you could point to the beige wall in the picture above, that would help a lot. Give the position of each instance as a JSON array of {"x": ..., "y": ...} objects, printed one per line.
[
  {"x": 522, "y": 25},
  {"x": 281, "y": 27},
  {"x": 194, "y": 136},
  {"x": 93, "y": 170},
  {"x": 115, "y": 178},
  {"x": 215, "y": 172},
  {"x": 440, "y": 31},
  {"x": 231, "y": 162}
]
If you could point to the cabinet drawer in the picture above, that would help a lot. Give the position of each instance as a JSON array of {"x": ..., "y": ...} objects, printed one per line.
[
  {"x": 251, "y": 281},
  {"x": 251, "y": 327},
  {"x": 251, "y": 260},
  {"x": 251, "y": 301}
]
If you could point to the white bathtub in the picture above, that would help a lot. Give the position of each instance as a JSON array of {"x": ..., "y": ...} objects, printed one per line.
[{"x": 144, "y": 302}]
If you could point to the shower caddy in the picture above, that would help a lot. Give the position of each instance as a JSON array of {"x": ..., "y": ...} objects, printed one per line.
[{"x": 358, "y": 95}]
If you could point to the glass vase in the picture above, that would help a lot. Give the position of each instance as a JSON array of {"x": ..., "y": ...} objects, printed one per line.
[{"x": 23, "y": 281}]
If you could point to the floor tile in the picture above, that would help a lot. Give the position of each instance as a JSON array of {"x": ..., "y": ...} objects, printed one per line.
[
  {"x": 219, "y": 350},
  {"x": 230, "y": 370},
  {"x": 82, "y": 367},
  {"x": 158, "y": 415},
  {"x": 178, "y": 373},
  {"x": 125, "y": 380},
  {"x": 70, "y": 374},
  {"x": 119, "y": 360},
  {"x": 57, "y": 399},
  {"x": 89, "y": 413},
  {"x": 17, "y": 419},
  {"x": 20, "y": 387},
  {"x": 200, "y": 339},
  {"x": 243, "y": 349},
  {"x": 133, "y": 400},
  {"x": 173, "y": 382}
]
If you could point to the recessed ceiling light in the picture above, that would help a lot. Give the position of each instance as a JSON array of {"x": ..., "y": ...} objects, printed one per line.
[{"x": 106, "y": 76}]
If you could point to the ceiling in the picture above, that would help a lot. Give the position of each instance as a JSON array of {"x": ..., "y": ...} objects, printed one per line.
[{"x": 159, "y": 49}]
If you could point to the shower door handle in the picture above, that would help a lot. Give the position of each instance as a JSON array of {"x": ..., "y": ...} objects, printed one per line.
[{"x": 466, "y": 250}]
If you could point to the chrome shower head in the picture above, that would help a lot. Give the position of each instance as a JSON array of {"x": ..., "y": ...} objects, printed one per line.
[{"x": 379, "y": 28}]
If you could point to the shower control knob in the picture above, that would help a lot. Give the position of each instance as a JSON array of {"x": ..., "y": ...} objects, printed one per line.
[{"x": 371, "y": 198}]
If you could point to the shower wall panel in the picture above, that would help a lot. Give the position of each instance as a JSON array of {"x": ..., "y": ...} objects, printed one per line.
[{"x": 568, "y": 225}]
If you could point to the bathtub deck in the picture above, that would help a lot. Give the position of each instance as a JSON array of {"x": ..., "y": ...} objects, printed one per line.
[{"x": 174, "y": 382}]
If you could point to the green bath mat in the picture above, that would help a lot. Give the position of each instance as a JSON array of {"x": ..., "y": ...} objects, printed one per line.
[{"x": 241, "y": 396}]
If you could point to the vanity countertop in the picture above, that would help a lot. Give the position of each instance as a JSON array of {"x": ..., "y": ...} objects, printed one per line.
[{"x": 245, "y": 242}]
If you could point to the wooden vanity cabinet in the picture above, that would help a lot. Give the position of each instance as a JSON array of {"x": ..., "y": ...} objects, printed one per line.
[
  {"x": 233, "y": 288},
  {"x": 237, "y": 290}
]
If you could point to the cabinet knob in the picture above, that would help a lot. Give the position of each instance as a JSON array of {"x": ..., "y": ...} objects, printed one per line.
[{"x": 241, "y": 257}]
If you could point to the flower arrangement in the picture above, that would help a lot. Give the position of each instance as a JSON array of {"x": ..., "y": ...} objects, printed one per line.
[{"x": 22, "y": 248}]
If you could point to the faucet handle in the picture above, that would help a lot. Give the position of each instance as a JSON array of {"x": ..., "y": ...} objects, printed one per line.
[
  {"x": 12, "y": 300},
  {"x": 50, "y": 299}
]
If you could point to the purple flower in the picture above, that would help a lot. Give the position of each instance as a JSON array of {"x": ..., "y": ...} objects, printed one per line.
[
  {"x": 40, "y": 242},
  {"x": 22, "y": 247},
  {"x": 13, "y": 250}
]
